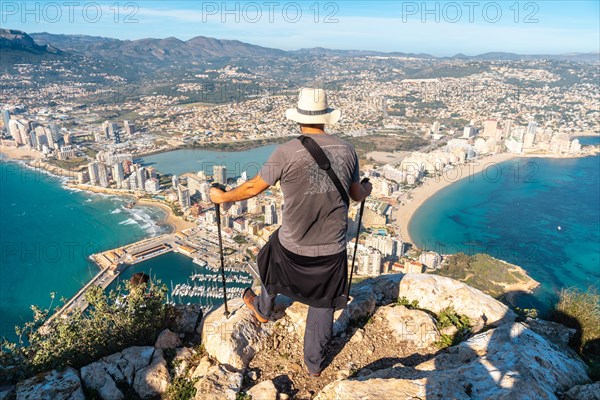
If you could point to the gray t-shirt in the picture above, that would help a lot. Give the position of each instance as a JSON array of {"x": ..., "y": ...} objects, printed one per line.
[{"x": 315, "y": 218}]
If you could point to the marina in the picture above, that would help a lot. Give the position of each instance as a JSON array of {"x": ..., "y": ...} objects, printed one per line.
[{"x": 185, "y": 261}]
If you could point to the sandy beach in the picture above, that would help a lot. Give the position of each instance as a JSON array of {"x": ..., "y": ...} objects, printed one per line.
[
  {"x": 419, "y": 195},
  {"x": 179, "y": 224}
]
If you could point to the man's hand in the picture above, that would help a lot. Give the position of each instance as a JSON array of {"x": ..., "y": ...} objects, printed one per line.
[
  {"x": 216, "y": 195},
  {"x": 367, "y": 188}
]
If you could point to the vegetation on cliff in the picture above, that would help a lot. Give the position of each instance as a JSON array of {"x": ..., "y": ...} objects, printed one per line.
[{"x": 111, "y": 323}]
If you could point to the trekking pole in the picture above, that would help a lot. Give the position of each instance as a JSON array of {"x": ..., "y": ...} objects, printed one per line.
[
  {"x": 360, "y": 214},
  {"x": 218, "y": 211}
]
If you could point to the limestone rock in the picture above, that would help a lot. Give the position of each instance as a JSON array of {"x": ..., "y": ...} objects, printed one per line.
[
  {"x": 95, "y": 376},
  {"x": 219, "y": 384},
  {"x": 414, "y": 326},
  {"x": 185, "y": 318},
  {"x": 235, "y": 340},
  {"x": 362, "y": 303},
  {"x": 138, "y": 356},
  {"x": 384, "y": 287},
  {"x": 202, "y": 369},
  {"x": 263, "y": 391},
  {"x": 167, "y": 340},
  {"x": 552, "y": 331},
  {"x": 435, "y": 293},
  {"x": 584, "y": 392},
  {"x": 154, "y": 379},
  {"x": 511, "y": 361},
  {"x": 181, "y": 362},
  {"x": 53, "y": 385},
  {"x": 297, "y": 313},
  {"x": 119, "y": 368}
]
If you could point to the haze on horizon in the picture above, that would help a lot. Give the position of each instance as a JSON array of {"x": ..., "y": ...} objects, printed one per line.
[{"x": 439, "y": 28}]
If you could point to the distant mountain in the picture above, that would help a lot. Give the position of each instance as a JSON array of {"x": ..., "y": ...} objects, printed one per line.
[
  {"x": 501, "y": 56},
  {"x": 11, "y": 39},
  {"x": 320, "y": 51},
  {"x": 160, "y": 51},
  {"x": 165, "y": 54}
]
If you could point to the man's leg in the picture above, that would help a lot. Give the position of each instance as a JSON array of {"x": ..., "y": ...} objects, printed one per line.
[
  {"x": 319, "y": 323},
  {"x": 264, "y": 302}
]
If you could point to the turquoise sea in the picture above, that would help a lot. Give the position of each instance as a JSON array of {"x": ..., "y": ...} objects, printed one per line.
[
  {"x": 47, "y": 234},
  {"x": 540, "y": 213}
]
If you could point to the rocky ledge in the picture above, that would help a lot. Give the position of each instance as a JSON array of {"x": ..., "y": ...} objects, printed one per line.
[{"x": 388, "y": 343}]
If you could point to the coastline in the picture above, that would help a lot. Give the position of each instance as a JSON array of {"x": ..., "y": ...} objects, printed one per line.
[
  {"x": 404, "y": 213},
  {"x": 420, "y": 194},
  {"x": 33, "y": 160}
]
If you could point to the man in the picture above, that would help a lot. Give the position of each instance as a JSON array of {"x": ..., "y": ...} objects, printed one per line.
[{"x": 306, "y": 258}]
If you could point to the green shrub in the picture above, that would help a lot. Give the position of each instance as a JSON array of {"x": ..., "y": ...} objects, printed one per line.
[
  {"x": 111, "y": 323},
  {"x": 403, "y": 301},
  {"x": 448, "y": 317},
  {"x": 181, "y": 388}
]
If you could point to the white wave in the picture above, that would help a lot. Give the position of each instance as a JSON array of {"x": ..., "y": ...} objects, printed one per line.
[
  {"x": 128, "y": 221},
  {"x": 116, "y": 211}
]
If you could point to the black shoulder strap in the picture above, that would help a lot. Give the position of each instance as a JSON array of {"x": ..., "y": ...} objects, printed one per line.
[{"x": 323, "y": 162}]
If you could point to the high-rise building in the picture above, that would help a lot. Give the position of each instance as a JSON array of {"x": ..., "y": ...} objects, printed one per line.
[
  {"x": 507, "y": 131},
  {"x": 469, "y": 131},
  {"x": 175, "y": 181},
  {"x": 184, "y": 197},
  {"x": 490, "y": 128},
  {"x": 93, "y": 172},
  {"x": 129, "y": 128},
  {"x": 141, "y": 177},
  {"x": 54, "y": 131},
  {"x": 220, "y": 174},
  {"x": 6, "y": 119},
  {"x": 102, "y": 175},
  {"x": 528, "y": 140},
  {"x": 435, "y": 128},
  {"x": 270, "y": 214},
  {"x": 152, "y": 185},
  {"x": 118, "y": 174},
  {"x": 532, "y": 127}
]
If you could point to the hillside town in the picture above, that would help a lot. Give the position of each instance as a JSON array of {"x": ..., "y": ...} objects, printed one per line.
[{"x": 520, "y": 108}]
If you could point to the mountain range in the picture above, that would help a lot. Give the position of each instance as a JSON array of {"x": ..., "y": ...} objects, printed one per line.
[{"x": 163, "y": 52}]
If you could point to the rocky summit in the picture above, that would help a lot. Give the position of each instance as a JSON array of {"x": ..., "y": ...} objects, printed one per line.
[{"x": 393, "y": 341}]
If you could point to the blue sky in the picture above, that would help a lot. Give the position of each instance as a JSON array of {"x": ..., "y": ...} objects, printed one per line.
[{"x": 440, "y": 28}]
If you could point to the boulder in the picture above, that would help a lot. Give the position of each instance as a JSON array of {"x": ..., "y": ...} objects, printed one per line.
[
  {"x": 263, "y": 391},
  {"x": 435, "y": 293},
  {"x": 384, "y": 287},
  {"x": 552, "y": 331},
  {"x": 511, "y": 361},
  {"x": 219, "y": 384},
  {"x": 52, "y": 385},
  {"x": 185, "y": 318},
  {"x": 153, "y": 380},
  {"x": 584, "y": 392},
  {"x": 235, "y": 340},
  {"x": 361, "y": 305},
  {"x": 95, "y": 377},
  {"x": 414, "y": 326},
  {"x": 202, "y": 369},
  {"x": 167, "y": 340}
]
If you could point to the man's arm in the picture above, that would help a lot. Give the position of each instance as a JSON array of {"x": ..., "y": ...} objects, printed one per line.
[{"x": 246, "y": 190}]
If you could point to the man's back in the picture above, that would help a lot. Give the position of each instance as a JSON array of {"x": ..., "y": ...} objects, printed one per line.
[{"x": 314, "y": 214}]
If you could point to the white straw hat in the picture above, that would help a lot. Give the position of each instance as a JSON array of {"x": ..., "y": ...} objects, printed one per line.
[{"x": 313, "y": 109}]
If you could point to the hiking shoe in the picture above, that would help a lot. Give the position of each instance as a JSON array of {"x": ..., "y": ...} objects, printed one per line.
[
  {"x": 314, "y": 374},
  {"x": 248, "y": 297}
]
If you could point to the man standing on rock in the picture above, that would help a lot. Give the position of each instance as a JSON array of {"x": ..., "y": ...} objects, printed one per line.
[{"x": 306, "y": 259}]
